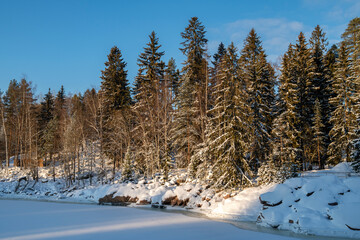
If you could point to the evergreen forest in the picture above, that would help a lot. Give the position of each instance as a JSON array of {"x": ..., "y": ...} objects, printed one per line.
[{"x": 233, "y": 119}]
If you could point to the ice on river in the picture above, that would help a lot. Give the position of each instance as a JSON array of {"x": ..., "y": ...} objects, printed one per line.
[{"x": 48, "y": 220}]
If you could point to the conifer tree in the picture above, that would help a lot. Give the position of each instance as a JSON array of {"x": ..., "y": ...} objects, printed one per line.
[
  {"x": 46, "y": 114},
  {"x": 321, "y": 89},
  {"x": 185, "y": 135},
  {"x": 60, "y": 114},
  {"x": 190, "y": 118},
  {"x": 305, "y": 99},
  {"x": 259, "y": 77},
  {"x": 214, "y": 73},
  {"x": 355, "y": 153},
  {"x": 173, "y": 76},
  {"x": 127, "y": 173},
  {"x": 115, "y": 97},
  {"x": 318, "y": 127},
  {"x": 330, "y": 62},
  {"x": 343, "y": 117},
  {"x": 148, "y": 107},
  {"x": 114, "y": 84},
  {"x": 286, "y": 144},
  {"x": 195, "y": 66},
  {"x": 227, "y": 128}
]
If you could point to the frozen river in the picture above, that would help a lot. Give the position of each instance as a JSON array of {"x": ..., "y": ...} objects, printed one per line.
[{"x": 48, "y": 220}]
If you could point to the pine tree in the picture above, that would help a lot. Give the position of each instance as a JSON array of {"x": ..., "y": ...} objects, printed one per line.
[
  {"x": 114, "y": 84},
  {"x": 343, "y": 117},
  {"x": 48, "y": 140},
  {"x": 330, "y": 62},
  {"x": 185, "y": 135},
  {"x": 60, "y": 114},
  {"x": 46, "y": 115},
  {"x": 214, "y": 81},
  {"x": 259, "y": 77},
  {"x": 148, "y": 106},
  {"x": 285, "y": 133},
  {"x": 116, "y": 97},
  {"x": 355, "y": 153},
  {"x": 305, "y": 99},
  {"x": 173, "y": 76},
  {"x": 321, "y": 89},
  {"x": 268, "y": 173},
  {"x": 227, "y": 128},
  {"x": 192, "y": 102},
  {"x": 127, "y": 173},
  {"x": 195, "y": 66},
  {"x": 319, "y": 135}
]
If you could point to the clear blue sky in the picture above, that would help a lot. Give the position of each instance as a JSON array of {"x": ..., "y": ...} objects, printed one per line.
[{"x": 54, "y": 43}]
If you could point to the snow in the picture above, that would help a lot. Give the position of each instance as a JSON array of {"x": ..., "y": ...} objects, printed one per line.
[
  {"x": 300, "y": 205},
  {"x": 318, "y": 205},
  {"x": 44, "y": 220},
  {"x": 244, "y": 206}
]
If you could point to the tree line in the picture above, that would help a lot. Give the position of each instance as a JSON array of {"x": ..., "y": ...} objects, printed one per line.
[{"x": 226, "y": 118}]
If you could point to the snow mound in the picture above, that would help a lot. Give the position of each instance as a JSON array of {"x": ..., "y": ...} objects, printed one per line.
[
  {"x": 326, "y": 205},
  {"x": 343, "y": 167}
]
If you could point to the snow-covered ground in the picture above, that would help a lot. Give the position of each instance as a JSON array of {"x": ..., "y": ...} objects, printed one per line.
[
  {"x": 320, "y": 203},
  {"x": 45, "y": 220}
]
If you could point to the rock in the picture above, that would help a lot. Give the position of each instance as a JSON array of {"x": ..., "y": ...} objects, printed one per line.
[
  {"x": 133, "y": 200},
  {"x": 168, "y": 200},
  {"x": 333, "y": 204},
  {"x": 143, "y": 202},
  {"x": 352, "y": 228},
  {"x": 227, "y": 196},
  {"x": 177, "y": 202},
  {"x": 118, "y": 200},
  {"x": 274, "y": 226},
  {"x": 179, "y": 181},
  {"x": 291, "y": 221},
  {"x": 309, "y": 194},
  {"x": 265, "y": 203}
]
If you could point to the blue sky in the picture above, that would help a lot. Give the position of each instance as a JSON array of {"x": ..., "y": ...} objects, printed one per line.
[{"x": 54, "y": 43}]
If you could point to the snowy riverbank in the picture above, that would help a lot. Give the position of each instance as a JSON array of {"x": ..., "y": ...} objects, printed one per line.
[{"x": 318, "y": 203}]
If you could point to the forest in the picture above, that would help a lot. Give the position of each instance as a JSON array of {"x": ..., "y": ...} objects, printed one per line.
[{"x": 233, "y": 119}]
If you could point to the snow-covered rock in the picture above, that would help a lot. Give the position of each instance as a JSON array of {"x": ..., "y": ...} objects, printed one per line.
[{"x": 327, "y": 205}]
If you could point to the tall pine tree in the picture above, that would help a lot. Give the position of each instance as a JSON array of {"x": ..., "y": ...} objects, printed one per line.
[
  {"x": 227, "y": 129},
  {"x": 116, "y": 97},
  {"x": 259, "y": 77}
]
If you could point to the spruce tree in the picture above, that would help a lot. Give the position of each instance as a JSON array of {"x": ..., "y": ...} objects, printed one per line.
[
  {"x": 305, "y": 99},
  {"x": 355, "y": 153},
  {"x": 321, "y": 88},
  {"x": 148, "y": 107},
  {"x": 343, "y": 117},
  {"x": 193, "y": 104},
  {"x": 227, "y": 129},
  {"x": 173, "y": 76},
  {"x": 116, "y": 97},
  {"x": 214, "y": 81},
  {"x": 286, "y": 141},
  {"x": 330, "y": 61},
  {"x": 185, "y": 135},
  {"x": 114, "y": 84},
  {"x": 46, "y": 115},
  {"x": 259, "y": 77},
  {"x": 319, "y": 135}
]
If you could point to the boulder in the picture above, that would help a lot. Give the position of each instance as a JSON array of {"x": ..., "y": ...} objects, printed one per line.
[{"x": 267, "y": 204}]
